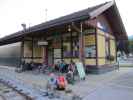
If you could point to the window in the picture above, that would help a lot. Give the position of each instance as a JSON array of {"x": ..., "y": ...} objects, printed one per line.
[
  {"x": 90, "y": 45},
  {"x": 90, "y": 51},
  {"x": 27, "y": 49},
  {"x": 75, "y": 45},
  {"x": 71, "y": 45},
  {"x": 66, "y": 45},
  {"x": 107, "y": 51}
]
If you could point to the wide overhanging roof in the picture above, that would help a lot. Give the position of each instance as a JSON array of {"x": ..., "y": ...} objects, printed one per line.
[{"x": 88, "y": 13}]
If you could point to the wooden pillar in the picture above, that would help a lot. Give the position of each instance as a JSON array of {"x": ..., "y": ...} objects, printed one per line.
[
  {"x": 96, "y": 39},
  {"x": 45, "y": 55},
  {"x": 81, "y": 44},
  {"x": 62, "y": 47},
  {"x": 109, "y": 47},
  {"x": 95, "y": 21},
  {"x": 71, "y": 45},
  {"x": 32, "y": 56},
  {"x": 116, "y": 50},
  {"x": 21, "y": 52}
]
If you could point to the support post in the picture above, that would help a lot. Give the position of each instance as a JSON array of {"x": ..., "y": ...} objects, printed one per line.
[
  {"x": 45, "y": 55},
  {"x": 96, "y": 43},
  {"x": 21, "y": 52},
  {"x": 81, "y": 44},
  {"x": 71, "y": 45},
  {"x": 32, "y": 49},
  {"x": 61, "y": 46}
]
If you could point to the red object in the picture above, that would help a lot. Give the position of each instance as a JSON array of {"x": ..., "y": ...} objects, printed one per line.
[{"x": 61, "y": 82}]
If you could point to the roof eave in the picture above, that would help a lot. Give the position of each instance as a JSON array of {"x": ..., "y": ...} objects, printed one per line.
[{"x": 100, "y": 10}]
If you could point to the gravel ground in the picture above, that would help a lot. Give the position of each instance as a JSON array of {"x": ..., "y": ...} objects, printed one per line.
[
  {"x": 80, "y": 88},
  {"x": 7, "y": 93}
]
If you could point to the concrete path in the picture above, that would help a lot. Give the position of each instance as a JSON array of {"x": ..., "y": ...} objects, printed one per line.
[
  {"x": 107, "y": 86},
  {"x": 120, "y": 88}
]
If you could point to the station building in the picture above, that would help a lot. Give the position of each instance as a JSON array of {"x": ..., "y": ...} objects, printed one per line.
[{"x": 89, "y": 36}]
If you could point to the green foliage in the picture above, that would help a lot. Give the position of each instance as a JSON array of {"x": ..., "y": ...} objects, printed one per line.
[
  {"x": 130, "y": 45},
  {"x": 110, "y": 57}
]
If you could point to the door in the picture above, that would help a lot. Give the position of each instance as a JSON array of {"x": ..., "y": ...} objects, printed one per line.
[
  {"x": 57, "y": 55},
  {"x": 50, "y": 56}
]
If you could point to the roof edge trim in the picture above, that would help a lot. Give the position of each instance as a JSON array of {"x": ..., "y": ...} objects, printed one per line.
[{"x": 100, "y": 10}]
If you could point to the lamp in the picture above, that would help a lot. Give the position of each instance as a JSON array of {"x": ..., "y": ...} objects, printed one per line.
[{"x": 69, "y": 28}]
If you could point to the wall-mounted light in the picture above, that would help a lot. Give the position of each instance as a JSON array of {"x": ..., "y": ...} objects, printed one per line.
[{"x": 69, "y": 28}]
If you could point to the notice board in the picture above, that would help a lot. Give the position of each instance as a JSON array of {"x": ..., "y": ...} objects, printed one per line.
[
  {"x": 89, "y": 40},
  {"x": 81, "y": 70}
]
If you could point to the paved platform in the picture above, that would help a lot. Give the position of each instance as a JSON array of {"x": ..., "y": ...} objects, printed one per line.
[
  {"x": 96, "y": 87},
  {"x": 120, "y": 88}
]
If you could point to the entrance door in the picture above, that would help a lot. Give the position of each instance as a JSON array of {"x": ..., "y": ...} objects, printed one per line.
[
  {"x": 57, "y": 55},
  {"x": 54, "y": 50},
  {"x": 50, "y": 55},
  {"x": 54, "y": 55}
]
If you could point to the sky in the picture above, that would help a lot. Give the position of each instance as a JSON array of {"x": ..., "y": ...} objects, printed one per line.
[{"x": 15, "y": 12}]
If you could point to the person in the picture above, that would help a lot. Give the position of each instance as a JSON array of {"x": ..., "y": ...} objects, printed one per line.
[
  {"x": 70, "y": 77},
  {"x": 71, "y": 72},
  {"x": 61, "y": 82},
  {"x": 43, "y": 67},
  {"x": 57, "y": 66},
  {"x": 52, "y": 82},
  {"x": 22, "y": 66},
  {"x": 32, "y": 65},
  {"x": 72, "y": 66},
  {"x": 62, "y": 66}
]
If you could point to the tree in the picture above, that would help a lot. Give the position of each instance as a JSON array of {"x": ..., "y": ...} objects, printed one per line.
[{"x": 130, "y": 45}]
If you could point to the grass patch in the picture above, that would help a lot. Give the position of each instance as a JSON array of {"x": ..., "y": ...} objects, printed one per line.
[{"x": 126, "y": 65}]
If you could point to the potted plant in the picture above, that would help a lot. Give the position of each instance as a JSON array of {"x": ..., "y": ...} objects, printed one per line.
[{"x": 110, "y": 57}]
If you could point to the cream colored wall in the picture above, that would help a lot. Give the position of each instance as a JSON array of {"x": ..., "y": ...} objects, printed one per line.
[
  {"x": 27, "y": 60},
  {"x": 38, "y": 60},
  {"x": 101, "y": 61},
  {"x": 27, "y": 49},
  {"x": 89, "y": 40},
  {"x": 37, "y": 52},
  {"x": 100, "y": 32},
  {"x": 90, "y": 61},
  {"x": 87, "y": 61},
  {"x": 104, "y": 21},
  {"x": 101, "y": 47},
  {"x": 113, "y": 49},
  {"x": 75, "y": 60},
  {"x": 67, "y": 60},
  {"x": 68, "y": 45}
]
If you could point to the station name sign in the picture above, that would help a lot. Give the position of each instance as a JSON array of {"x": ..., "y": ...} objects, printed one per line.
[{"x": 42, "y": 43}]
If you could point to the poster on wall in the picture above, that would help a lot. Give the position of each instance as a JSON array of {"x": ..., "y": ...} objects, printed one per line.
[
  {"x": 56, "y": 61},
  {"x": 90, "y": 31},
  {"x": 89, "y": 40},
  {"x": 90, "y": 51},
  {"x": 57, "y": 53}
]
